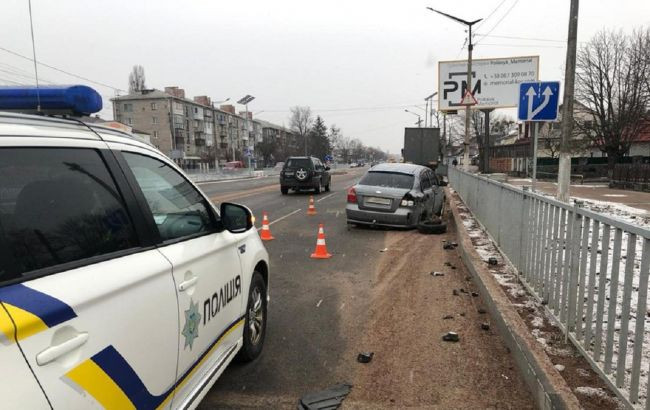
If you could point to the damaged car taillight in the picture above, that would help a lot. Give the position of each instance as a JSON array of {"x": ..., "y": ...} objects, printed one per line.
[
  {"x": 408, "y": 201},
  {"x": 352, "y": 196}
]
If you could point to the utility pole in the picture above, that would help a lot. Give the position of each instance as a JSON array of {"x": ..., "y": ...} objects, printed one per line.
[
  {"x": 468, "y": 108},
  {"x": 564, "y": 170},
  {"x": 470, "y": 47},
  {"x": 244, "y": 101},
  {"x": 426, "y": 112},
  {"x": 486, "y": 147},
  {"x": 443, "y": 152},
  {"x": 429, "y": 100}
]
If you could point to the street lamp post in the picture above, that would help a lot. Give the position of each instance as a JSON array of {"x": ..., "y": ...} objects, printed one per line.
[
  {"x": 470, "y": 47},
  {"x": 429, "y": 99},
  {"x": 244, "y": 101},
  {"x": 417, "y": 115}
]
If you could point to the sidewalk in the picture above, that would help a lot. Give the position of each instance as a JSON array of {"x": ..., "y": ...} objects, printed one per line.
[{"x": 633, "y": 202}]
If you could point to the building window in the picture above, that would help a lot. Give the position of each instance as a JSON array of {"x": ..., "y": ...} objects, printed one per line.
[
  {"x": 128, "y": 107},
  {"x": 196, "y": 110},
  {"x": 154, "y": 120},
  {"x": 154, "y": 106},
  {"x": 129, "y": 121},
  {"x": 196, "y": 123},
  {"x": 155, "y": 134}
]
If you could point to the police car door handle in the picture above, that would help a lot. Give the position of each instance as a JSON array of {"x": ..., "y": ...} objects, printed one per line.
[
  {"x": 54, "y": 352},
  {"x": 183, "y": 286}
]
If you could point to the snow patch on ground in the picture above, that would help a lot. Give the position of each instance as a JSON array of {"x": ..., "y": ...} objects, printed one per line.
[
  {"x": 591, "y": 391},
  {"x": 537, "y": 321}
]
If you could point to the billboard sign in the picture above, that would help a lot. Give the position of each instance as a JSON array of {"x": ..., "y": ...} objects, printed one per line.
[{"x": 495, "y": 81}]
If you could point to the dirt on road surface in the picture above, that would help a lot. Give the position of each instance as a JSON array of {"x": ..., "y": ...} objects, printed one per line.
[{"x": 412, "y": 365}]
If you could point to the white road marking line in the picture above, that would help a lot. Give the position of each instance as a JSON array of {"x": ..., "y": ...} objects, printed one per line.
[
  {"x": 325, "y": 197},
  {"x": 228, "y": 180},
  {"x": 319, "y": 302},
  {"x": 282, "y": 217}
]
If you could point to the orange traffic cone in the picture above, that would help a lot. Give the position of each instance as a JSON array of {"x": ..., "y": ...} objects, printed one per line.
[
  {"x": 312, "y": 209},
  {"x": 266, "y": 232},
  {"x": 321, "y": 249}
]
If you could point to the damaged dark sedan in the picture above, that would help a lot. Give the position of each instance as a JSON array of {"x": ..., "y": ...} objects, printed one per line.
[{"x": 397, "y": 195}]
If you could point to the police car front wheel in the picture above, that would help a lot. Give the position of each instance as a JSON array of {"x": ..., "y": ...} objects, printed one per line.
[{"x": 255, "y": 320}]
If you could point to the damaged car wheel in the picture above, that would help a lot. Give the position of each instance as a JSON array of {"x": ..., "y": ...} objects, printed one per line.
[{"x": 432, "y": 227}]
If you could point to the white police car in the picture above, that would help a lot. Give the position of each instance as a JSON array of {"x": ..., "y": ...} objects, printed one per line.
[{"x": 120, "y": 285}]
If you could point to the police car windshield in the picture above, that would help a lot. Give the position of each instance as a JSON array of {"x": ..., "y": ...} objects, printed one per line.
[{"x": 387, "y": 179}]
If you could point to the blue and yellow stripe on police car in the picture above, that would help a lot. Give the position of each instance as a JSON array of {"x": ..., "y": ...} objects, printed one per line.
[
  {"x": 31, "y": 311},
  {"x": 109, "y": 378}
]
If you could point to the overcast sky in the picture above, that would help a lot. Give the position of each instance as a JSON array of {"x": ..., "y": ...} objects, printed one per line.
[{"x": 358, "y": 64}]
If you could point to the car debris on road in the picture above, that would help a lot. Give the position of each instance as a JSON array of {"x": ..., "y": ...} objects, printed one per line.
[
  {"x": 451, "y": 337},
  {"x": 365, "y": 357},
  {"x": 327, "y": 399}
]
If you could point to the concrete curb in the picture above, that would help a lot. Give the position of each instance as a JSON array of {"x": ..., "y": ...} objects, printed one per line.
[{"x": 549, "y": 389}]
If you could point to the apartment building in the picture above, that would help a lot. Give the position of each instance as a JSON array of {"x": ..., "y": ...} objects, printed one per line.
[{"x": 192, "y": 132}]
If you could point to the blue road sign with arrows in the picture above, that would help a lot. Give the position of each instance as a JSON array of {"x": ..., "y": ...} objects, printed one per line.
[{"x": 538, "y": 101}]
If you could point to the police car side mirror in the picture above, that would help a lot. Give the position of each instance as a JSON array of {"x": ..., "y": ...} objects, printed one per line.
[
  {"x": 236, "y": 218},
  {"x": 442, "y": 183},
  {"x": 327, "y": 168}
]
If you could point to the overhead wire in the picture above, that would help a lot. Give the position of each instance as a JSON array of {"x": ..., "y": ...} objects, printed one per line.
[
  {"x": 523, "y": 38},
  {"x": 351, "y": 109},
  {"x": 6, "y": 50},
  {"x": 479, "y": 26},
  {"x": 499, "y": 22},
  {"x": 521, "y": 45},
  {"x": 6, "y": 80},
  {"x": 490, "y": 15}
]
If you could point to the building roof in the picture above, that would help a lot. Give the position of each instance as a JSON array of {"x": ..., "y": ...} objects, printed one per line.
[
  {"x": 150, "y": 94},
  {"x": 157, "y": 94},
  {"x": 644, "y": 134}
]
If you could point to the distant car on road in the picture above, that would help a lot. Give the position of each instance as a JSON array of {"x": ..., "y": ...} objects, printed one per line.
[
  {"x": 397, "y": 195},
  {"x": 233, "y": 165},
  {"x": 304, "y": 173}
]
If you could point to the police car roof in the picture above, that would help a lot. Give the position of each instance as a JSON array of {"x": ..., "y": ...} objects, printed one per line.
[{"x": 28, "y": 125}]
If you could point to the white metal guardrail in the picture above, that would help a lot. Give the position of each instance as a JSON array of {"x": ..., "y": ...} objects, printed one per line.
[{"x": 590, "y": 270}]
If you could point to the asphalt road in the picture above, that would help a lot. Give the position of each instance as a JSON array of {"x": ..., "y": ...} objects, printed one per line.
[
  {"x": 375, "y": 293},
  {"x": 309, "y": 298}
]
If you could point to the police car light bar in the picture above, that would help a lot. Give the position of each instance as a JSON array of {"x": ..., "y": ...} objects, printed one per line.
[{"x": 54, "y": 99}]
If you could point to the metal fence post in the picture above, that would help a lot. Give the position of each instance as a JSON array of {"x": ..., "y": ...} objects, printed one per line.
[
  {"x": 523, "y": 236},
  {"x": 573, "y": 270}
]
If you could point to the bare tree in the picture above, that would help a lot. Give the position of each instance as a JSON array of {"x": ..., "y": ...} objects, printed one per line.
[
  {"x": 301, "y": 121},
  {"x": 136, "y": 79},
  {"x": 612, "y": 73},
  {"x": 335, "y": 136},
  {"x": 344, "y": 148}
]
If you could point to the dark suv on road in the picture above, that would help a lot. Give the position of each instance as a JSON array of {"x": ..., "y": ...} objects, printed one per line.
[{"x": 302, "y": 173}]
